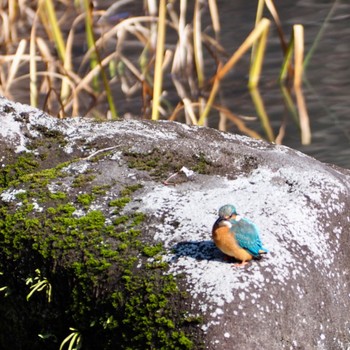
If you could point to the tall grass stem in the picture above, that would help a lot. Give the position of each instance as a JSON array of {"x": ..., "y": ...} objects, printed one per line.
[{"x": 158, "y": 74}]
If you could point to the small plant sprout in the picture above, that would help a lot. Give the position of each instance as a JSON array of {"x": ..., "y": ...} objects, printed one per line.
[
  {"x": 38, "y": 284},
  {"x": 74, "y": 340},
  {"x": 4, "y": 287}
]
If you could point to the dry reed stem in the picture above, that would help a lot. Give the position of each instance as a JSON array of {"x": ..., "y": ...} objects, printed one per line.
[
  {"x": 32, "y": 67},
  {"x": 281, "y": 133},
  {"x": 238, "y": 122},
  {"x": 222, "y": 71},
  {"x": 6, "y": 36},
  {"x": 152, "y": 8},
  {"x": 258, "y": 17},
  {"x": 158, "y": 74},
  {"x": 18, "y": 57},
  {"x": 197, "y": 44},
  {"x": 51, "y": 67},
  {"x": 224, "y": 111},
  {"x": 125, "y": 24},
  {"x": 257, "y": 62},
  {"x": 260, "y": 108},
  {"x": 298, "y": 31},
  {"x": 286, "y": 67},
  {"x": 84, "y": 83},
  {"x": 303, "y": 117},
  {"x": 215, "y": 18},
  {"x": 248, "y": 42},
  {"x": 270, "y": 5},
  {"x": 56, "y": 31},
  {"x": 288, "y": 100}
]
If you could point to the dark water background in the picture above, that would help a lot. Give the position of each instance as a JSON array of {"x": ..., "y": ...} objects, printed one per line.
[
  {"x": 327, "y": 80},
  {"x": 327, "y": 86}
]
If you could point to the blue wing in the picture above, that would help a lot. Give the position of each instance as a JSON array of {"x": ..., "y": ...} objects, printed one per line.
[{"x": 247, "y": 236}]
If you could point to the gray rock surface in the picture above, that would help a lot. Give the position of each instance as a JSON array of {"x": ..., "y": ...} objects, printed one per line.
[{"x": 297, "y": 297}]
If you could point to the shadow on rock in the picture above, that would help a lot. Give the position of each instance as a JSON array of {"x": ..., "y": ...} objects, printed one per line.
[{"x": 198, "y": 250}]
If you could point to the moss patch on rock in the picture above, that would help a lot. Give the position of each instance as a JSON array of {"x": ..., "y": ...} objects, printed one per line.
[
  {"x": 160, "y": 163},
  {"x": 94, "y": 259}
]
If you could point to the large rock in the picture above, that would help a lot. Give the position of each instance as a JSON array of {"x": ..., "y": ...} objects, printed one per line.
[{"x": 297, "y": 297}]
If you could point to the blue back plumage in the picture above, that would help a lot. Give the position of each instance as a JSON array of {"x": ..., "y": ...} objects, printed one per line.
[{"x": 247, "y": 235}]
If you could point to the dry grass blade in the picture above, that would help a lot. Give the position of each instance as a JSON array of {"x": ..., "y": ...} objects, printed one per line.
[
  {"x": 225, "y": 112},
  {"x": 15, "y": 65},
  {"x": 303, "y": 117},
  {"x": 288, "y": 100},
  {"x": 270, "y": 5},
  {"x": 281, "y": 133},
  {"x": 222, "y": 71},
  {"x": 258, "y": 17},
  {"x": 96, "y": 59},
  {"x": 286, "y": 67},
  {"x": 180, "y": 53},
  {"x": 188, "y": 106},
  {"x": 5, "y": 28},
  {"x": 197, "y": 40},
  {"x": 66, "y": 87},
  {"x": 210, "y": 101},
  {"x": 89, "y": 33},
  {"x": 257, "y": 62},
  {"x": 152, "y": 8},
  {"x": 248, "y": 42},
  {"x": 58, "y": 37},
  {"x": 111, "y": 33},
  {"x": 51, "y": 68},
  {"x": 158, "y": 72},
  {"x": 298, "y": 31},
  {"x": 260, "y": 108},
  {"x": 238, "y": 122},
  {"x": 84, "y": 83},
  {"x": 12, "y": 9},
  {"x": 32, "y": 67},
  {"x": 65, "y": 92},
  {"x": 215, "y": 19}
]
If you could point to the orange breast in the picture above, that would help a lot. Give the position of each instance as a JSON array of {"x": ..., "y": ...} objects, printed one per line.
[{"x": 226, "y": 242}]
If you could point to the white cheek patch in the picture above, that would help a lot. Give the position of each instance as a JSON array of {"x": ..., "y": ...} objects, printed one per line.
[{"x": 226, "y": 223}]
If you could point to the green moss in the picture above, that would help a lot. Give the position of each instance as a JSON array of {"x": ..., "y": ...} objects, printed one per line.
[
  {"x": 51, "y": 134},
  {"x": 152, "y": 250},
  {"x": 100, "y": 190},
  {"x": 57, "y": 195},
  {"x": 161, "y": 163},
  {"x": 152, "y": 325},
  {"x": 128, "y": 190},
  {"x": 92, "y": 267},
  {"x": 121, "y": 220},
  {"x": 119, "y": 203},
  {"x": 26, "y": 163},
  {"x": 82, "y": 180},
  {"x": 85, "y": 199},
  {"x": 202, "y": 165},
  {"x": 158, "y": 162}
]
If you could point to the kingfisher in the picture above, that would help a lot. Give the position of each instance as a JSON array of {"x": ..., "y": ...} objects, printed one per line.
[{"x": 236, "y": 236}]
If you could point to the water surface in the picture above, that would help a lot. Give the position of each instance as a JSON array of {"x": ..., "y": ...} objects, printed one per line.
[{"x": 327, "y": 82}]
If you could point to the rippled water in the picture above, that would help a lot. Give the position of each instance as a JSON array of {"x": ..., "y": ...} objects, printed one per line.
[{"x": 327, "y": 85}]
